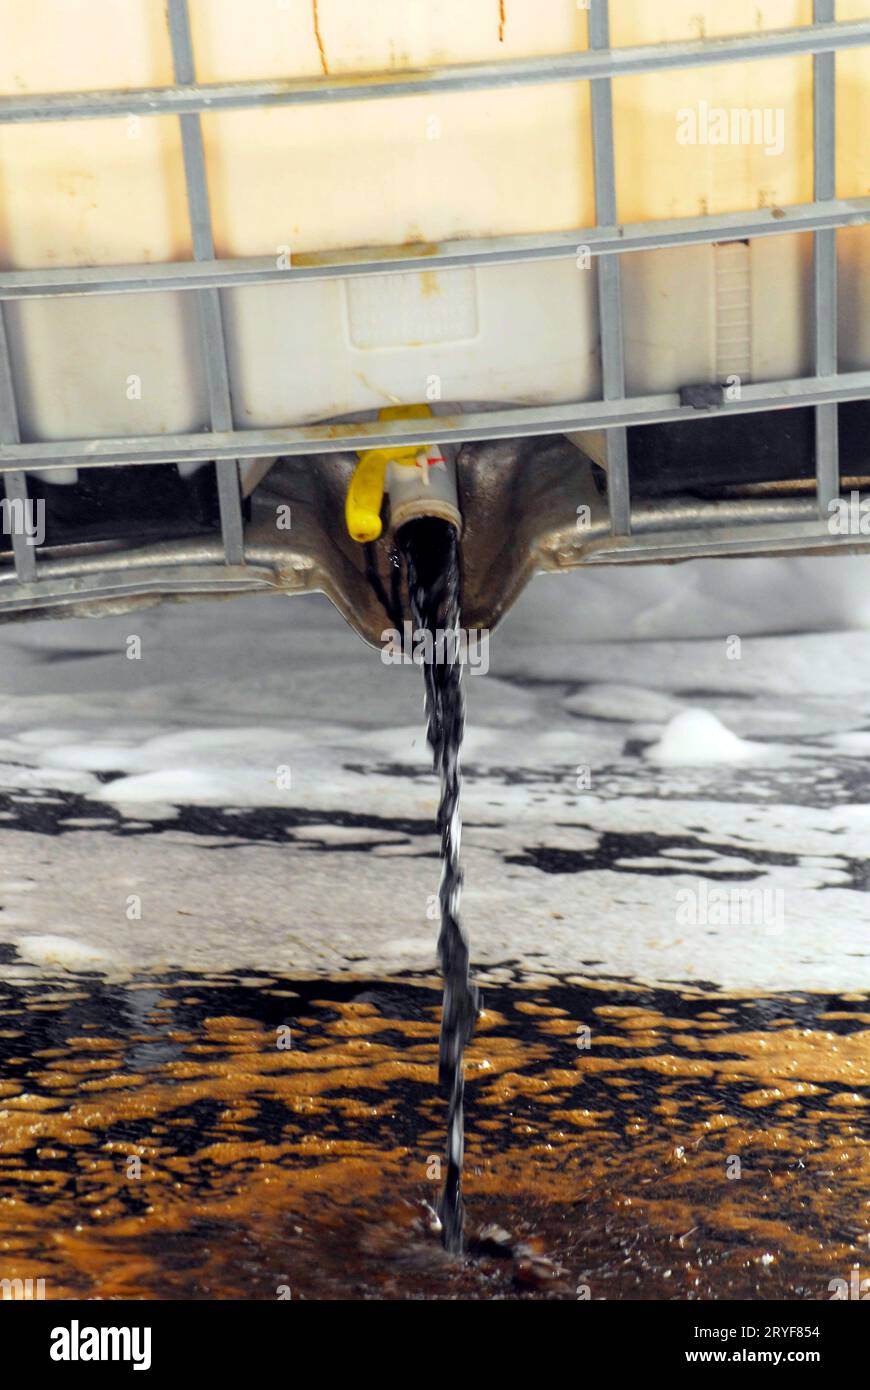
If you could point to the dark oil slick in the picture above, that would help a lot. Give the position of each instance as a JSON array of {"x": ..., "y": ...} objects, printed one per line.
[{"x": 596, "y": 1170}]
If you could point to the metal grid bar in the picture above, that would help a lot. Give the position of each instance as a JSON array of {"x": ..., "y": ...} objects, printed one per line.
[
  {"x": 190, "y": 97},
  {"x": 791, "y": 393},
  {"x": 825, "y": 264},
  {"x": 609, "y": 280},
  {"x": 751, "y": 526},
  {"x": 382, "y": 260},
  {"x": 208, "y": 300},
  {"x": 599, "y": 64},
  {"x": 24, "y": 554}
]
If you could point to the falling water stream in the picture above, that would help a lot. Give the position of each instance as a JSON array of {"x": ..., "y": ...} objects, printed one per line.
[{"x": 434, "y": 585}]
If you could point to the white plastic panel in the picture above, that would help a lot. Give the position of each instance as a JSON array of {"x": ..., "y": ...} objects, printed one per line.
[
  {"x": 294, "y": 353},
  {"x": 123, "y": 364},
  {"x": 390, "y": 311}
]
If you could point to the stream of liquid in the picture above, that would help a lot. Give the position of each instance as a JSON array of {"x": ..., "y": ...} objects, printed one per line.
[{"x": 434, "y": 591}]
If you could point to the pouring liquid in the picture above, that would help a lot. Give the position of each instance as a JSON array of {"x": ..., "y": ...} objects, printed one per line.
[{"x": 434, "y": 590}]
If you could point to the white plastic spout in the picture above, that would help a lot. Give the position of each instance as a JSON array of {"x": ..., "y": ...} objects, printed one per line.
[{"x": 426, "y": 487}]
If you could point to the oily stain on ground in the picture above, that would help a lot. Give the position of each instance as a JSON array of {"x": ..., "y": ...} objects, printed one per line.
[{"x": 309, "y": 1168}]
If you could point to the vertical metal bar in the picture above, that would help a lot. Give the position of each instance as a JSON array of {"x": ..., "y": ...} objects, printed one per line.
[
  {"x": 23, "y": 553},
  {"x": 609, "y": 279},
  {"x": 825, "y": 264},
  {"x": 208, "y": 300}
]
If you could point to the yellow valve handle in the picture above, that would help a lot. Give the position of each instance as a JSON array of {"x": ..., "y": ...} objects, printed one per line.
[
  {"x": 362, "y": 506},
  {"x": 365, "y": 495}
]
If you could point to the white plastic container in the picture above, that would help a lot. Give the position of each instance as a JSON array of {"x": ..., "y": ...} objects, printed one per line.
[{"x": 411, "y": 169}]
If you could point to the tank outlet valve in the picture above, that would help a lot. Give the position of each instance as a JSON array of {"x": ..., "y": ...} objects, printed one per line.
[{"x": 420, "y": 480}]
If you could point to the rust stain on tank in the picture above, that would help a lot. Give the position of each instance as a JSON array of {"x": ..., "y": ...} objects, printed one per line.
[
  {"x": 350, "y": 429},
  {"x": 502, "y": 19},
  {"x": 407, "y": 250},
  {"x": 315, "y": 14}
]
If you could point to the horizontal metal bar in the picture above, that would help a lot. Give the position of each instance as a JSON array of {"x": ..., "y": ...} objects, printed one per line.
[
  {"x": 682, "y": 527},
  {"x": 712, "y": 541},
  {"x": 446, "y": 255},
  {"x": 518, "y": 422},
  {"x": 679, "y": 528},
  {"x": 128, "y": 579},
  {"x": 186, "y": 98}
]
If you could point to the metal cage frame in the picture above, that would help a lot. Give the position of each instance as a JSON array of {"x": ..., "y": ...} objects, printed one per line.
[{"x": 607, "y": 241}]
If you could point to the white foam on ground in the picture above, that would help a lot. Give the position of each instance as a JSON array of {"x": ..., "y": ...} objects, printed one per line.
[
  {"x": 225, "y": 694},
  {"x": 62, "y": 951},
  {"x": 627, "y": 703},
  {"x": 696, "y": 738}
]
